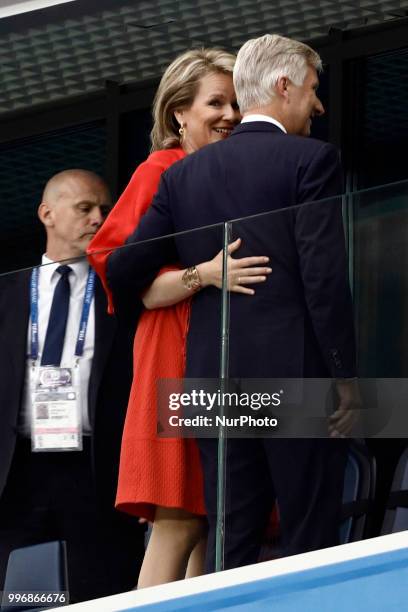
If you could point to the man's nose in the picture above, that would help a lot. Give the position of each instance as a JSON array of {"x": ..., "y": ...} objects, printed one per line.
[
  {"x": 96, "y": 216},
  {"x": 319, "y": 108}
]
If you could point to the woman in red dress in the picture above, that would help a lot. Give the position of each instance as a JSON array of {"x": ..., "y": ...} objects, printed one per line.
[{"x": 160, "y": 479}]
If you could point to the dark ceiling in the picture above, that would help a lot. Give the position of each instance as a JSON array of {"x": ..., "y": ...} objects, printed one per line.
[{"x": 71, "y": 50}]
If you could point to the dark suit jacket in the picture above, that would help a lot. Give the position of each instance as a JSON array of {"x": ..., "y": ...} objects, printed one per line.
[
  {"x": 299, "y": 323},
  {"x": 108, "y": 386}
]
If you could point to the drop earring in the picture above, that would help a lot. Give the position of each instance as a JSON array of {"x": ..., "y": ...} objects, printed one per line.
[{"x": 181, "y": 132}]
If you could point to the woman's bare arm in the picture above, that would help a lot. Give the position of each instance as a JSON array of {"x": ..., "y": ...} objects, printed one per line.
[{"x": 168, "y": 288}]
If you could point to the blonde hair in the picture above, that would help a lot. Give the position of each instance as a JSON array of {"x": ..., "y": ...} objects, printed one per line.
[
  {"x": 262, "y": 61},
  {"x": 177, "y": 90}
]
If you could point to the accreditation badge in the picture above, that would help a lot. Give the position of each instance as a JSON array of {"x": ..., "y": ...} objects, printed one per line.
[{"x": 56, "y": 423}]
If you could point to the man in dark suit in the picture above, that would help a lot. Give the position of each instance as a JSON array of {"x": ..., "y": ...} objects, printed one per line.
[
  {"x": 299, "y": 323},
  {"x": 68, "y": 494}
]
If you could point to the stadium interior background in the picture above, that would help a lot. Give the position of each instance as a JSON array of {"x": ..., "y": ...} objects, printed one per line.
[{"x": 77, "y": 83}]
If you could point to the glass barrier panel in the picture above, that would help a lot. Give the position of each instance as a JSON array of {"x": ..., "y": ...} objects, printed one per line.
[
  {"x": 293, "y": 392},
  {"x": 70, "y": 421},
  {"x": 379, "y": 281},
  {"x": 270, "y": 323},
  {"x": 380, "y": 254}
]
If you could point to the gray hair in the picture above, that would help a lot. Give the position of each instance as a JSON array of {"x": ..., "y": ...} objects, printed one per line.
[
  {"x": 178, "y": 88},
  {"x": 262, "y": 61}
]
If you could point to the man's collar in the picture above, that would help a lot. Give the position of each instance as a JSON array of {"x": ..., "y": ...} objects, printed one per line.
[
  {"x": 260, "y": 117},
  {"x": 80, "y": 267}
]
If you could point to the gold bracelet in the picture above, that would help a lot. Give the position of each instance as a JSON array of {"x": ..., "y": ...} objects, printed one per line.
[{"x": 191, "y": 279}]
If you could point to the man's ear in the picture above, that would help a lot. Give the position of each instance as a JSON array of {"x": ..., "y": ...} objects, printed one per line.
[
  {"x": 45, "y": 214},
  {"x": 282, "y": 87}
]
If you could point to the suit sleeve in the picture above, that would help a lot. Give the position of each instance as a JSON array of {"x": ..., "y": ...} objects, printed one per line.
[
  {"x": 133, "y": 267},
  {"x": 323, "y": 264}
]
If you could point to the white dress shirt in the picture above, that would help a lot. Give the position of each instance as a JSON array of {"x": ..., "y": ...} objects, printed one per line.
[
  {"x": 267, "y": 118},
  {"x": 48, "y": 278}
]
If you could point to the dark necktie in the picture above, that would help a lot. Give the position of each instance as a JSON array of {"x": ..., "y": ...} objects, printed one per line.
[{"x": 57, "y": 322}]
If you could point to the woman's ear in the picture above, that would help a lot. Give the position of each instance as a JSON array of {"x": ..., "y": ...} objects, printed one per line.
[{"x": 179, "y": 115}]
